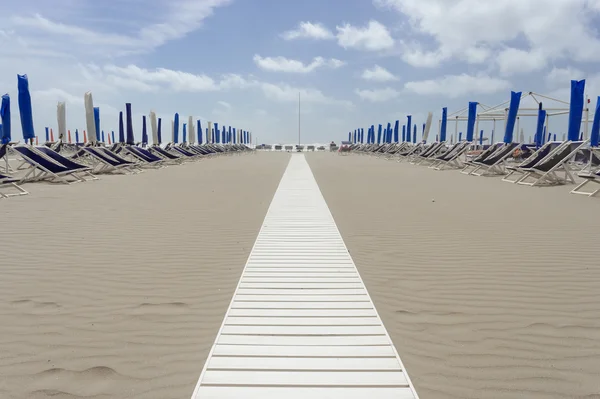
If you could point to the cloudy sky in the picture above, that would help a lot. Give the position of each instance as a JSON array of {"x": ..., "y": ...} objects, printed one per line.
[{"x": 243, "y": 62}]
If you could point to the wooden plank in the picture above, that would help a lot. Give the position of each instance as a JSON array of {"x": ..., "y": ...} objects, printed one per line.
[
  {"x": 314, "y": 340},
  {"x": 304, "y": 298},
  {"x": 304, "y": 363},
  {"x": 308, "y": 291},
  {"x": 306, "y": 378},
  {"x": 323, "y": 284},
  {"x": 214, "y": 392},
  {"x": 308, "y": 351},
  {"x": 304, "y": 330},
  {"x": 293, "y": 313},
  {"x": 301, "y": 279},
  {"x": 267, "y": 304},
  {"x": 303, "y": 321}
]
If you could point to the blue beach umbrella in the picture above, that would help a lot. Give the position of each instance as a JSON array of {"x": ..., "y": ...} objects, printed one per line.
[
  {"x": 539, "y": 131},
  {"x": 176, "y": 128},
  {"x": 595, "y": 133},
  {"x": 481, "y": 137},
  {"x": 97, "y": 122},
  {"x": 223, "y": 135},
  {"x": 121, "y": 128},
  {"x": 549, "y": 136},
  {"x": 199, "y": 132},
  {"x": 112, "y": 133},
  {"x": 129, "y": 123},
  {"x": 459, "y": 136},
  {"x": 184, "y": 132},
  {"x": 444, "y": 124},
  {"x": 103, "y": 136},
  {"x": 76, "y": 136},
  {"x": 396, "y": 130},
  {"x": 159, "y": 131},
  {"x": 575, "y": 109},
  {"x": 515, "y": 101},
  {"x": 47, "y": 134},
  {"x": 216, "y": 133},
  {"x": 471, "y": 120},
  {"x": 403, "y": 133},
  {"x": 25, "y": 110},
  {"x": 144, "y": 131},
  {"x": 5, "y": 118},
  {"x": 389, "y": 132},
  {"x": 415, "y": 134},
  {"x": 408, "y": 127},
  {"x": 379, "y": 132}
]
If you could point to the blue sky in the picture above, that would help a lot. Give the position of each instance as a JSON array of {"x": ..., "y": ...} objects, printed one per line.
[{"x": 243, "y": 62}]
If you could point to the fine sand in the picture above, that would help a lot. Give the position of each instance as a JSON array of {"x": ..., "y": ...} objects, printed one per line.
[
  {"x": 488, "y": 289},
  {"x": 117, "y": 288}
]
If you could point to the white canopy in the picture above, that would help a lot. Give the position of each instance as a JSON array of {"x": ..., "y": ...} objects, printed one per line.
[
  {"x": 61, "y": 116},
  {"x": 89, "y": 117}
]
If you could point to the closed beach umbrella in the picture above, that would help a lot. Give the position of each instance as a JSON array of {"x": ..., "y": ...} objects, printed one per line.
[
  {"x": 61, "y": 117},
  {"x": 121, "y": 128},
  {"x": 90, "y": 120},
  {"x": 471, "y": 120},
  {"x": 144, "y": 131},
  {"x": 575, "y": 109},
  {"x": 129, "y": 125},
  {"x": 408, "y": 127},
  {"x": 154, "y": 127},
  {"x": 176, "y": 128},
  {"x": 515, "y": 101},
  {"x": 5, "y": 119},
  {"x": 595, "y": 133},
  {"x": 427, "y": 126},
  {"x": 97, "y": 122},
  {"x": 25, "y": 110},
  {"x": 159, "y": 131},
  {"x": 191, "y": 135}
]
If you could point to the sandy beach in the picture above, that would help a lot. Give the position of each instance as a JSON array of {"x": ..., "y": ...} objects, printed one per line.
[
  {"x": 488, "y": 289},
  {"x": 117, "y": 288}
]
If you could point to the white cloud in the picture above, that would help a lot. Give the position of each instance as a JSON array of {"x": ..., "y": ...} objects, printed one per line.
[
  {"x": 288, "y": 93},
  {"x": 378, "y": 95},
  {"x": 454, "y": 86},
  {"x": 562, "y": 76},
  {"x": 178, "y": 18},
  {"x": 282, "y": 64},
  {"x": 473, "y": 30},
  {"x": 378, "y": 74},
  {"x": 512, "y": 61},
  {"x": 374, "y": 37},
  {"x": 308, "y": 30}
]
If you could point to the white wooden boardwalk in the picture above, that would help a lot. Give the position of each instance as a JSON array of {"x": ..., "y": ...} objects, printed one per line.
[{"x": 301, "y": 323}]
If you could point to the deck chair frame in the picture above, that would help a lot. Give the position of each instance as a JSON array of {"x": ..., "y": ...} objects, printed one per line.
[{"x": 551, "y": 177}]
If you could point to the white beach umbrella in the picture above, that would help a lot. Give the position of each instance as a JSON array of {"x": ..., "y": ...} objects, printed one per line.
[
  {"x": 427, "y": 126},
  {"x": 191, "y": 131},
  {"x": 89, "y": 117},
  {"x": 172, "y": 131},
  {"x": 154, "y": 127},
  {"x": 61, "y": 116},
  {"x": 209, "y": 134}
]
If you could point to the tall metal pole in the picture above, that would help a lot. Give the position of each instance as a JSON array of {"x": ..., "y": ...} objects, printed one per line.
[{"x": 298, "y": 118}]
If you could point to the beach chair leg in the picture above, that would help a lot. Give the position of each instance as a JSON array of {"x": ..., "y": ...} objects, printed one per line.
[{"x": 578, "y": 189}]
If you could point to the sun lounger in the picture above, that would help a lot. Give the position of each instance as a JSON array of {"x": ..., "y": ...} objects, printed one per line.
[
  {"x": 495, "y": 163},
  {"x": 587, "y": 179},
  {"x": 105, "y": 161},
  {"x": 143, "y": 156},
  {"x": 83, "y": 170},
  {"x": 452, "y": 159},
  {"x": 411, "y": 151},
  {"x": 433, "y": 150},
  {"x": 516, "y": 172},
  {"x": 10, "y": 182},
  {"x": 184, "y": 152},
  {"x": 160, "y": 152},
  {"x": 485, "y": 154},
  {"x": 41, "y": 167},
  {"x": 546, "y": 172}
]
